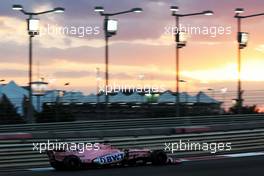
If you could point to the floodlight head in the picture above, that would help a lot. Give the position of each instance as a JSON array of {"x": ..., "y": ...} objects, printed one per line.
[
  {"x": 208, "y": 13},
  {"x": 112, "y": 26},
  {"x": 33, "y": 26},
  {"x": 39, "y": 88},
  {"x": 181, "y": 39},
  {"x": 17, "y": 7},
  {"x": 59, "y": 10},
  {"x": 174, "y": 8},
  {"x": 137, "y": 10},
  {"x": 239, "y": 10},
  {"x": 243, "y": 38},
  {"x": 99, "y": 9}
]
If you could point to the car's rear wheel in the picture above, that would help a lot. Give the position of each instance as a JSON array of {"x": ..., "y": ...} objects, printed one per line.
[
  {"x": 159, "y": 157},
  {"x": 72, "y": 163}
]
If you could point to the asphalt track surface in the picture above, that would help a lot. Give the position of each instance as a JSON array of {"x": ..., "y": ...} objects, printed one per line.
[{"x": 246, "y": 166}]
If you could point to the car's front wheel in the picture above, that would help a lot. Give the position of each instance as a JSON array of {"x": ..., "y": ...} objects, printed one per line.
[{"x": 159, "y": 157}]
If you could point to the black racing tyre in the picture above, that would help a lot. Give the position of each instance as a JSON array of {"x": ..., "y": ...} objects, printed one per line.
[
  {"x": 159, "y": 157},
  {"x": 72, "y": 163},
  {"x": 57, "y": 166}
]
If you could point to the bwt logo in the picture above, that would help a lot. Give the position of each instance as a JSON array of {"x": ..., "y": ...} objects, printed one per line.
[{"x": 112, "y": 158}]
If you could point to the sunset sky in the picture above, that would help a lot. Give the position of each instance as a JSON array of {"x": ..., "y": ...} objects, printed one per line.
[{"x": 140, "y": 47}]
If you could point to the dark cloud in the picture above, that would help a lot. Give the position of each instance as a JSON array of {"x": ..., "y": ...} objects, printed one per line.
[
  {"x": 72, "y": 74},
  {"x": 81, "y": 74},
  {"x": 12, "y": 73},
  {"x": 122, "y": 54},
  {"x": 148, "y": 24},
  {"x": 12, "y": 52}
]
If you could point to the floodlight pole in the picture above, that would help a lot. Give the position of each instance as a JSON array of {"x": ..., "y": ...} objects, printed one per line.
[
  {"x": 107, "y": 36},
  {"x": 30, "y": 108},
  {"x": 106, "y": 63},
  {"x": 177, "y": 55},
  {"x": 239, "y": 100},
  {"x": 177, "y": 96},
  {"x": 239, "y": 86},
  {"x": 30, "y": 118},
  {"x": 97, "y": 85}
]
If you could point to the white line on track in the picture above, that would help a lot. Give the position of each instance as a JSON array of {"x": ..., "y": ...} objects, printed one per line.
[
  {"x": 213, "y": 157},
  {"x": 238, "y": 155},
  {"x": 41, "y": 169},
  {"x": 244, "y": 154}
]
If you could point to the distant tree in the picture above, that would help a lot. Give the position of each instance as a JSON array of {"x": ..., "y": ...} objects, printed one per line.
[
  {"x": 55, "y": 113},
  {"x": 244, "y": 109},
  {"x": 152, "y": 98},
  {"x": 25, "y": 106},
  {"x": 8, "y": 113}
]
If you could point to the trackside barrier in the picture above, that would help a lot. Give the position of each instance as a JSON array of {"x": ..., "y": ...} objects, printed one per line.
[
  {"x": 169, "y": 122},
  {"x": 19, "y": 153},
  {"x": 147, "y": 132},
  {"x": 8, "y": 136},
  {"x": 131, "y": 132}
]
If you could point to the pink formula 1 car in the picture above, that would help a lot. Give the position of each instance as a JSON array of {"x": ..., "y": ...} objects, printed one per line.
[{"x": 105, "y": 155}]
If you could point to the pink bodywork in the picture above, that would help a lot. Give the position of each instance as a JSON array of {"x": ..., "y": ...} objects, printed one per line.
[{"x": 100, "y": 155}]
